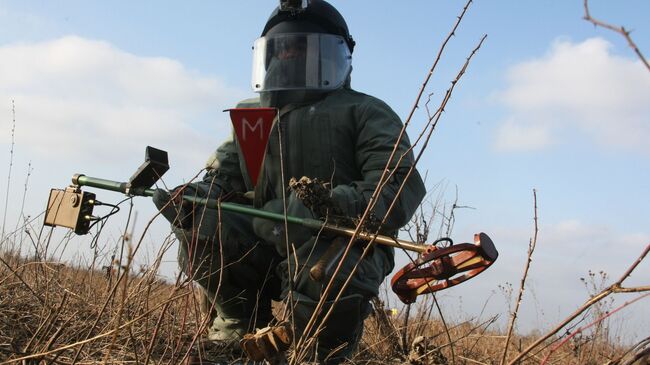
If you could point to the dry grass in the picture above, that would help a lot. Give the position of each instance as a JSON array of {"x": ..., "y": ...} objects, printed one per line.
[
  {"x": 473, "y": 342},
  {"x": 55, "y": 313},
  {"x": 54, "y": 309}
]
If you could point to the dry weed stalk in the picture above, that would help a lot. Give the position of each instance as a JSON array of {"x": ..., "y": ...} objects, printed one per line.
[
  {"x": 380, "y": 345},
  {"x": 617, "y": 287},
  {"x": 386, "y": 175},
  {"x": 120, "y": 310},
  {"x": 430, "y": 127},
  {"x": 73, "y": 303},
  {"x": 522, "y": 285},
  {"x": 95, "y": 338},
  {"x": 636, "y": 353},
  {"x": 11, "y": 163},
  {"x": 52, "y": 337},
  {"x": 56, "y": 326},
  {"x": 100, "y": 321},
  {"x": 51, "y": 332},
  {"x": 597, "y": 321}
]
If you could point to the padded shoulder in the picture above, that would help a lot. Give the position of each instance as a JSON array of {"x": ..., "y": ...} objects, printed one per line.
[{"x": 249, "y": 103}]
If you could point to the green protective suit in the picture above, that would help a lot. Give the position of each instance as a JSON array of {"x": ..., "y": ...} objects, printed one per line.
[{"x": 345, "y": 138}]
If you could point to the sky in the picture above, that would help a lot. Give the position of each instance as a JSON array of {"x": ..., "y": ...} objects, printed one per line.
[{"x": 549, "y": 102}]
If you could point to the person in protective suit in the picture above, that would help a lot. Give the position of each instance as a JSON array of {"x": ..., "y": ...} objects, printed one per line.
[{"x": 326, "y": 131}]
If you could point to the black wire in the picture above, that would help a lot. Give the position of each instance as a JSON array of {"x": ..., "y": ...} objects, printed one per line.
[
  {"x": 443, "y": 239},
  {"x": 97, "y": 202},
  {"x": 113, "y": 211},
  {"x": 104, "y": 219}
]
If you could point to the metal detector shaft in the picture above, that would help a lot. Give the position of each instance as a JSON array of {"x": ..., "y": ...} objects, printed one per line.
[{"x": 315, "y": 224}]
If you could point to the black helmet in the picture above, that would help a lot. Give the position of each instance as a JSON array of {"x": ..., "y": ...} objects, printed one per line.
[
  {"x": 304, "y": 52},
  {"x": 314, "y": 16}
]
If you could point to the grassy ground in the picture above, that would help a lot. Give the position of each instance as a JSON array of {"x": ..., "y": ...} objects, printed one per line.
[{"x": 58, "y": 314}]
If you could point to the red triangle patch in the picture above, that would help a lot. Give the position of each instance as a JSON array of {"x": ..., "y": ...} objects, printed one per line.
[{"x": 253, "y": 127}]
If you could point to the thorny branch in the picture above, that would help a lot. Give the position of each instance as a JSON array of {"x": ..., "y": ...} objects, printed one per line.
[
  {"x": 531, "y": 249},
  {"x": 430, "y": 127},
  {"x": 620, "y": 30},
  {"x": 617, "y": 287},
  {"x": 598, "y": 320},
  {"x": 382, "y": 182}
]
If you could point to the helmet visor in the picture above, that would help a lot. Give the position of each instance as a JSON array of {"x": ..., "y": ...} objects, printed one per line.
[{"x": 307, "y": 61}]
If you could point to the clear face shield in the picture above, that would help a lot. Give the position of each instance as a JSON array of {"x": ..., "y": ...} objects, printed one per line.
[{"x": 300, "y": 61}]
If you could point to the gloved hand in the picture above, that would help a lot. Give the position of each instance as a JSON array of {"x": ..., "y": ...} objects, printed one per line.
[
  {"x": 178, "y": 212},
  {"x": 190, "y": 221},
  {"x": 274, "y": 231}
]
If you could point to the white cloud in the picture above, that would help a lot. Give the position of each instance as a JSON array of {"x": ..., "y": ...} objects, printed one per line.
[
  {"x": 570, "y": 248},
  {"x": 576, "y": 236},
  {"x": 635, "y": 239},
  {"x": 594, "y": 236},
  {"x": 579, "y": 87},
  {"x": 520, "y": 136},
  {"x": 80, "y": 98},
  {"x": 86, "y": 106}
]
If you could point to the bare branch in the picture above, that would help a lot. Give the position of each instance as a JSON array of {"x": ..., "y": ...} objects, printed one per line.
[
  {"x": 375, "y": 195},
  {"x": 620, "y": 30},
  {"x": 598, "y": 320},
  {"x": 531, "y": 249},
  {"x": 614, "y": 288},
  {"x": 430, "y": 127}
]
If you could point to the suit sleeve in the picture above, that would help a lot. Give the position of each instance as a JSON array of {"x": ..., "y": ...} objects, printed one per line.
[
  {"x": 378, "y": 128},
  {"x": 223, "y": 171}
]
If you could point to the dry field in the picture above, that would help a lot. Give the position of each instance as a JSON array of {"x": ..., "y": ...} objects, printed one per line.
[
  {"x": 55, "y": 313},
  {"x": 52, "y": 313}
]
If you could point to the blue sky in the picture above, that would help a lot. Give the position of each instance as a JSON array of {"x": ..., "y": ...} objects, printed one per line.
[{"x": 549, "y": 102}]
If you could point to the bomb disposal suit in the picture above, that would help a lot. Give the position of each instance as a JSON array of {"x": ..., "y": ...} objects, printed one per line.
[{"x": 324, "y": 130}]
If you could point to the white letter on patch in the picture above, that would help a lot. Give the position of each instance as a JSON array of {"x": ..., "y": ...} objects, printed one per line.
[{"x": 252, "y": 128}]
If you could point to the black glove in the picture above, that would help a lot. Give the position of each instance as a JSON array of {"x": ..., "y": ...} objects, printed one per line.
[
  {"x": 178, "y": 212},
  {"x": 273, "y": 231}
]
